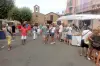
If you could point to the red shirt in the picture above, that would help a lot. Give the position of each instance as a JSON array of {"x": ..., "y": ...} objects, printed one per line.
[
  {"x": 19, "y": 26},
  {"x": 29, "y": 27},
  {"x": 24, "y": 31}
]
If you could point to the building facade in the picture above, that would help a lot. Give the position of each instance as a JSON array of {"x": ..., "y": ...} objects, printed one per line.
[
  {"x": 43, "y": 18},
  {"x": 71, "y": 6},
  {"x": 86, "y": 7},
  {"x": 37, "y": 16},
  {"x": 51, "y": 17}
]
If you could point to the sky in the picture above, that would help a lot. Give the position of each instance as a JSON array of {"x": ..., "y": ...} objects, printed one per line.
[{"x": 46, "y": 6}]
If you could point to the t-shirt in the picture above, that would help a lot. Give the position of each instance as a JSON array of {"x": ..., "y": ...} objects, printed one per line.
[
  {"x": 34, "y": 29},
  {"x": 23, "y": 31},
  {"x": 60, "y": 28},
  {"x": 6, "y": 32},
  {"x": 69, "y": 30},
  {"x": 44, "y": 29},
  {"x": 85, "y": 34},
  {"x": 53, "y": 29},
  {"x": 19, "y": 26}
]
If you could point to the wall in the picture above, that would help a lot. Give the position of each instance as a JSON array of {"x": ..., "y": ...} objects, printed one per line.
[
  {"x": 40, "y": 19},
  {"x": 55, "y": 16}
]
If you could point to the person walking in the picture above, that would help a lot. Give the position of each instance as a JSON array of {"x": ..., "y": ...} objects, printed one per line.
[
  {"x": 47, "y": 34},
  {"x": 52, "y": 33},
  {"x": 69, "y": 34},
  {"x": 24, "y": 31},
  {"x": 84, "y": 46},
  {"x": 8, "y": 32},
  {"x": 60, "y": 31},
  {"x": 34, "y": 30},
  {"x": 44, "y": 32}
]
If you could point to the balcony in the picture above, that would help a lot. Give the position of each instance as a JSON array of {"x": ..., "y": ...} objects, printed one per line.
[
  {"x": 86, "y": 7},
  {"x": 96, "y": 5}
]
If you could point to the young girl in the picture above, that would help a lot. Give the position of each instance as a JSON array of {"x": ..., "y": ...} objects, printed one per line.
[{"x": 24, "y": 33}]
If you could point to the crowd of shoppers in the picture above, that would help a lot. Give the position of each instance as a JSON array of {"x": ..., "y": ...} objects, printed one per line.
[{"x": 90, "y": 45}]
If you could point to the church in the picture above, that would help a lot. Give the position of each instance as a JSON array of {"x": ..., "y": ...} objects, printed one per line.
[{"x": 40, "y": 18}]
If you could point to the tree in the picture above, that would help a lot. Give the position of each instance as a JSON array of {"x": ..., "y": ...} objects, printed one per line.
[
  {"x": 14, "y": 14},
  {"x": 20, "y": 14},
  {"x": 25, "y": 14},
  {"x": 5, "y": 6}
]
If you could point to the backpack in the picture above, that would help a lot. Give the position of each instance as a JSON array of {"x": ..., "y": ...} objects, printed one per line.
[{"x": 96, "y": 41}]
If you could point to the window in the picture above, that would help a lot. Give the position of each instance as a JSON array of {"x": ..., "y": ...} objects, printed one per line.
[
  {"x": 36, "y": 15},
  {"x": 51, "y": 17}
]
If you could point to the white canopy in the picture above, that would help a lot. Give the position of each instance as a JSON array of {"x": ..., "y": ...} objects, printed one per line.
[{"x": 80, "y": 17}]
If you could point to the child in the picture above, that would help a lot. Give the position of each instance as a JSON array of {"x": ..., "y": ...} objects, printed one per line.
[{"x": 24, "y": 33}]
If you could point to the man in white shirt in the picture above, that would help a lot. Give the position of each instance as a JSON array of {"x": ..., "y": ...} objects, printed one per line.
[{"x": 60, "y": 31}]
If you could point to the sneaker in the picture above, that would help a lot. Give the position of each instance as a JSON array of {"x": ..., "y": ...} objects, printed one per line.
[
  {"x": 88, "y": 58},
  {"x": 54, "y": 42},
  {"x": 2, "y": 47},
  {"x": 13, "y": 40},
  {"x": 9, "y": 49},
  {"x": 51, "y": 43},
  {"x": 80, "y": 54}
]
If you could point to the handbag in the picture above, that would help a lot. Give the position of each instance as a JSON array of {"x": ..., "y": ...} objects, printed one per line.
[{"x": 87, "y": 42}]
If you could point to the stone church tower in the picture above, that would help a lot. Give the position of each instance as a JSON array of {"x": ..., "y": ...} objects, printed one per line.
[
  {"x": 36, "y": 9},
  {"x": 37, "y": 16}
]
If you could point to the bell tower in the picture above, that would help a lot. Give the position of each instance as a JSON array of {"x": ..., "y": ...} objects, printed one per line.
[{"x": 36, "y": 9}]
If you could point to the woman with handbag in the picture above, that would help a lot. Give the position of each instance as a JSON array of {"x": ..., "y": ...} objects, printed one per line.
[
  {"x": 84, "y": 46},
  {"x": 96, "y": 46},
  {"x": 8, "y": 32}
]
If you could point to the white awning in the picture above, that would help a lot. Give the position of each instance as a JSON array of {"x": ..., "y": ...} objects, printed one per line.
[{"x": 80, "y": 17}]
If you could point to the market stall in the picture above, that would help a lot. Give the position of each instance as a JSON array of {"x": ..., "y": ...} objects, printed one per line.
[{"x": 76, "y": 39}]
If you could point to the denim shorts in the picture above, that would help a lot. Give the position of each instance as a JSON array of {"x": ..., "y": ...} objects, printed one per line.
[
  {"x": 52, "y": 34},
  {"x": 69, "y": 37}
]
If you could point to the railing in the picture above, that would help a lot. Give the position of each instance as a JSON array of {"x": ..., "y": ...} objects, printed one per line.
[{"x": 88, "y": 6}]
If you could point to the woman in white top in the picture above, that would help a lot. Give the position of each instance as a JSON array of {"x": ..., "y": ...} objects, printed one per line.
[
  {"x": 52, "y": 33},
  {"x": 69, "y": 34}
]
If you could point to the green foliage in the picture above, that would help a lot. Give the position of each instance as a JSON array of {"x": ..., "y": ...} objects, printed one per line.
[
  {"x": 20, "y": 14},
  {"x": 25, "y": 14},
  {"x": 14, "y": 14},
  {"x": 5, "y": 6}
]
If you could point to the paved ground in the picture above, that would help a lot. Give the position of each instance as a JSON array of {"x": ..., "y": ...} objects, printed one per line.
[{"x": 35, "y": 53}]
